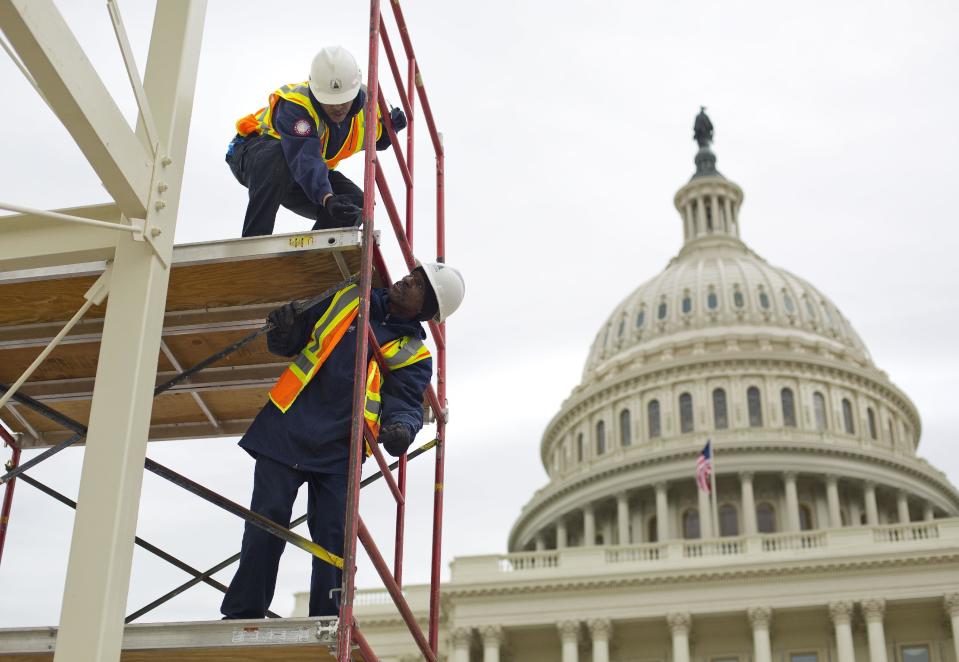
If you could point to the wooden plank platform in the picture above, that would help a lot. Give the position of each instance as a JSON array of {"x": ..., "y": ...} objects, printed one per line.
[
  {"x": 274, "y": 640},
  {"x": 219, "y": 292}
]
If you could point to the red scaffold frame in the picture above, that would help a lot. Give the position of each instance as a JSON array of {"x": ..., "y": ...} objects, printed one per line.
[
  {"x": 373, "y": 176},
  {"x": 374, "y": 180}
]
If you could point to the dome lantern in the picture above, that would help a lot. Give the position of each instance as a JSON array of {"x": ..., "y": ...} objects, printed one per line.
[{"x": 709, "y": 203}]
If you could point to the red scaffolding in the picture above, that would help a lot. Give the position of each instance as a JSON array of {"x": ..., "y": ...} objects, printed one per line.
[{"x": 371, "y": 257}]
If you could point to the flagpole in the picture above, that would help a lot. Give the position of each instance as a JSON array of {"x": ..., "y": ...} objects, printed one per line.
[{"x": 712, "y": 482}]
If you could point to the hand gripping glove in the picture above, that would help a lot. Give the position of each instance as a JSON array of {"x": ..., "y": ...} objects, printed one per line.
[
  {"x": 395, "y": 438},
  {"x": 398, "y": 117},
  {"x": 342, "y": 209},
  {"x": 283, "y": 317}
]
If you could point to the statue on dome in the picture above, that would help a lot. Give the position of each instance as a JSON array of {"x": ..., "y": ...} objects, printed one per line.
[{"x": 703, "y": 128}]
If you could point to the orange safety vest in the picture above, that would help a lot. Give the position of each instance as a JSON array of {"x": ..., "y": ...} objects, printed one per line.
[
  {"x": 261, "y": 122},
  {"x": 327, "y": 332}
]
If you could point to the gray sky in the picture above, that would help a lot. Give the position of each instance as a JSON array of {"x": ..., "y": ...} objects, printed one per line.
[{"x": 568, "y": 130}]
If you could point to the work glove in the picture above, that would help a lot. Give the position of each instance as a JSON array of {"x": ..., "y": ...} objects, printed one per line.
[
  {"x": 395, "y": 438},
  {"x": 281, "y": 340},
  {"x": 344, "y": 210},
  {"x": 398, "y": 117},
  {"x": 283, "y": 318}
]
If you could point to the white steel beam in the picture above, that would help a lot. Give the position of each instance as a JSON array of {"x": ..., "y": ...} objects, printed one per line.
[
  {"x": 68, "y": 81},
  {"x": 31, "y": 241},
  {"x": 101, "y": 550}
]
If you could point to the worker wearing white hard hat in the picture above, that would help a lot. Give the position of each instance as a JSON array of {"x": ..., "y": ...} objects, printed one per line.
[
  {"x": 302, "y": 433},
  {"x": 287, "y": 152}
]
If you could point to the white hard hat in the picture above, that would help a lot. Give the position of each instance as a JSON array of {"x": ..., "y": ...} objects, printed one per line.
[
  {"x": 448, "y": 286},
  {"x": 334, "y": 76}
]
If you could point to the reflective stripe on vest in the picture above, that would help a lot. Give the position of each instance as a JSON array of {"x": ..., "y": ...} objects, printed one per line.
[
  {"x": 327, "y": 332},
  {"x": 261, "y": 122}
]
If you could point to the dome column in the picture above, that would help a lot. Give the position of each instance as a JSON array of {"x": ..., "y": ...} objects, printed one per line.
[
  {"x": 622, "y": 518},
  {"x": 841, "y": 614},
  {"x": 705, "y": 519},
  {"x": 589, "y": 525},
  {"x": 902, "y": 506},
  {"x": 561, "y": 535},
  {"x": 540, "y": 542},
  {"x": 600, "y": 630},
  {"x": 792, "y": 501},
  {"x": 679, "y": 624},
  {"x": 749, "y": 503},
  {"x": 461, "y": 644},
  {"x": 569, "y": 635},
  {"x": 662, "y": 513},
  {"x": 832, "y": 497},
  {"x": 872, "y": 510},
  {"x": 873, "y": 611},
  {"x": 492, "y": 640},
  {"x": 929, "y": 514},
  {"x": 759, "y": 619}
]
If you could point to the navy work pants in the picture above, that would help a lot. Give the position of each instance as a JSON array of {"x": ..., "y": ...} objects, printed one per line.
[
  {"x": 259, "y": 164},
  {"x": 274, "y": 489}
]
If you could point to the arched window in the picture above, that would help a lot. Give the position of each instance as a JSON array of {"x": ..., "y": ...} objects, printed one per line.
[
  {"x": 687, "y": 303},
  {"x": 712, "y": 301},
  {"x": 625, "y": 428},
  {"x": 811, "y": 309},
  {"x": 871, "y": 417},
  {"x": 805, "y": 517},
  {"x": 788, "y": 303},
  {"x": 600, "y": 437},
  {"x": 728, "y": 521},
  {"x": 789, "y": 407},
  {"x": 847, "y": 421},
  {"x": 685, "y": 413},
  {"x": 652, "y": 530},
  {"x": 763, "y": 299},
  {"x": 892, "y": 432},
  {"x": 691, "y": 524},
  {"x": 720, "y": 419},
  {"x": 580, "y": 448},
  {"x": 652, "y": 416},
  {"x": 640, "y": 318},
  {"x": 661, "y": 313},
  {"x": 622, "y": 328},
  {"x": 755, "y": 406},
  {"x": 819, "y": 408},
  {"x": 765, "y": 518},
  {"x": 738, "y": 299}
]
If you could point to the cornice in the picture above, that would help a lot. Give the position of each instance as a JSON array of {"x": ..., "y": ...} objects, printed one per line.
[{"x": 768, "y": 573}]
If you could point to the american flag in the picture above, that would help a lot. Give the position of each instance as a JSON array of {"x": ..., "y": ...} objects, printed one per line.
[{"x": 704, "y": 468}]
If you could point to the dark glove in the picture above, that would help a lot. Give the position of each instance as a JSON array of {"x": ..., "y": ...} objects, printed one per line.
[
  {"x": 344, "y": 210},
  {"x": 283, "y": 318},
  {"x": 398, "y": 117},
  {"x": 395, "y": 439}
]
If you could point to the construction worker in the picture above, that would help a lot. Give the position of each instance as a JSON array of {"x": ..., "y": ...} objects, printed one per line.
[
  {"x": 302, "y": 434},
  {"x": 287, "y": 152}
]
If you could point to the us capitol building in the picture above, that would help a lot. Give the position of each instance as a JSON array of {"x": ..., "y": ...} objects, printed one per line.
[{"x": 835, "y": 542}]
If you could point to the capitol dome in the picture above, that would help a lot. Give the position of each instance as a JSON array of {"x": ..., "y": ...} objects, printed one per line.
[{"x": 724, "y": 347}]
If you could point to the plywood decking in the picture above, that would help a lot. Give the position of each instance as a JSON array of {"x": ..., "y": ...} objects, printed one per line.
[
  {"x": 219, "y": 292},
  {"x": 286, "y": 640}
]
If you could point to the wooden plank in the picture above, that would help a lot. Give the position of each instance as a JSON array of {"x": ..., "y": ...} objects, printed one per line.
[{"x": 219, "y": 292}]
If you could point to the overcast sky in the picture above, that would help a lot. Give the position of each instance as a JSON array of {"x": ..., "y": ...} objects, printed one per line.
[{"x": 568, "y": 129}]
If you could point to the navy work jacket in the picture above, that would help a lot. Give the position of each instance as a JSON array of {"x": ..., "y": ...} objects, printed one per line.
[
  {"x": 302, "y": 153},
  {"x": 313, "y": 434}
]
